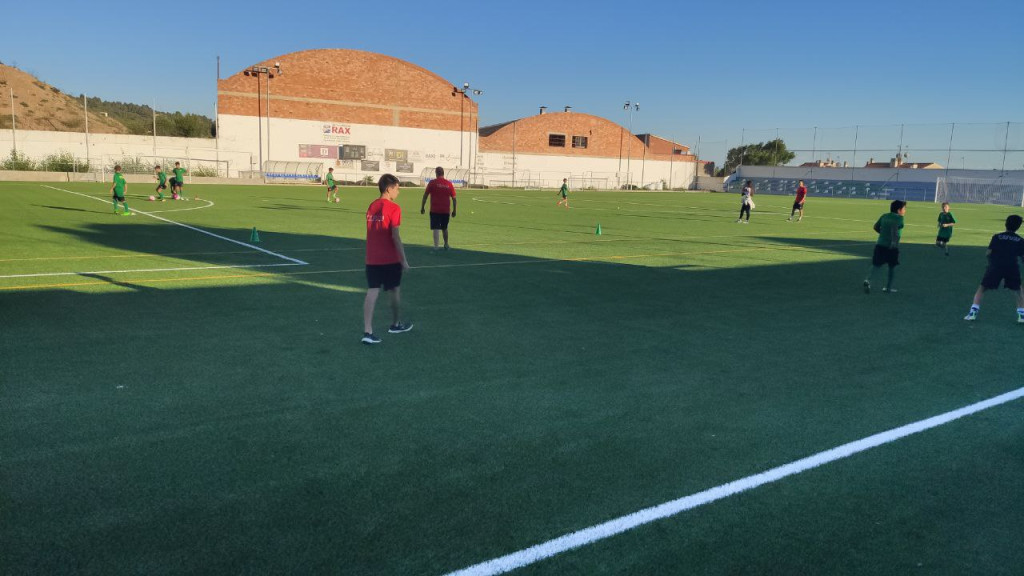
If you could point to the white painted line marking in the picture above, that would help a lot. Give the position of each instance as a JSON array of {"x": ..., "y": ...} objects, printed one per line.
[
  {"x": 622, "y": 524},
  {"x": 150, "y": 270},
  {"x": 200, "y": 230}
]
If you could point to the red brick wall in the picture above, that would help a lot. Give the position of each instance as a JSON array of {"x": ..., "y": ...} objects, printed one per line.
[
  {"x": 350, "y": 86},
  {"x": 605, "y": 139}
]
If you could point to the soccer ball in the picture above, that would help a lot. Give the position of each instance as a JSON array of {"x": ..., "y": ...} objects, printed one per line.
[
  {"x": 152, "y": 198},
  {"x": 336, "y": 200}
]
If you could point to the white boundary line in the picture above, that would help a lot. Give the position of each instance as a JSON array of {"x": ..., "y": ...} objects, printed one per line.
[
  {"x": 625, "y": 523},
  {"x": 200, "y": 230},
  {"x": 184, "y": 268}
]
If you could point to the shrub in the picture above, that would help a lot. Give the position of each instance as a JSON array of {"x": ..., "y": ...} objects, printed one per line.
[
  {"x": 63, "y": 161},
  {"x": 201, "y": 170},
  {"x": 133, "y": 165},
  {"x": 17, "y": 162}
]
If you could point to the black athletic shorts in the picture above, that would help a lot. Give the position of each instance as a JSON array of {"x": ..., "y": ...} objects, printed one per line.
[
  {"x": 885, "y": 255},
  {"x": 173, "y": 181},
  {"x": 798, "y": 205},
  {"x": 942, "y": 239},
  {"x": 1009, "y": 276},
  {"x": 332, "y": 188},
  {"x": 386, "y": 276},
  {"x": 116, "y": 197},
  {"x": 439, "y": 221},
  {"x": 160, "y": 187}
]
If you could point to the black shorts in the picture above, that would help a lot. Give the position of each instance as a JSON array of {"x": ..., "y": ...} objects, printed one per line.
[
  {"x": 332, "y": 188},
  {"x": 173, "y": 182},
  {"x": 798, "y": 205},
  {"x": 387, "y": 276},
  {"x": 885, "y": 255},
  {"x": 942, "y": 239},
  {"x": 160, "y": 187},
  {"x": 1009, "y": 276},
  {"x": 116, "y": 197},
  {"x": 439, "y": 221}
]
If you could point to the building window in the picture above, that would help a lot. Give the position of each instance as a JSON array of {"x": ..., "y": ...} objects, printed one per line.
[
  {"x": 556, "y": 140},
  {"x": 579, "y": 141}
]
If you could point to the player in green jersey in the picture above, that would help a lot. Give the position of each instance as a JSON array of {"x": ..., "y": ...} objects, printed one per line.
[
  {"x": 118, "y": 191},
  {"x": 332, "y": 186},
  {"x": 179, "y": 181},
  {"x": 564, "y": 191},
  {"x": 946, "y": 222},
  {"x": 887, "y": 248},
  {"x": 161, "y": 179}
]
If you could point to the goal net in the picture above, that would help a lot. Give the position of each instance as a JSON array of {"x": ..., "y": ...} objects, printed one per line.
[
  {"x": 457, "y": 176},
  {"x": 980, "y": 191}
]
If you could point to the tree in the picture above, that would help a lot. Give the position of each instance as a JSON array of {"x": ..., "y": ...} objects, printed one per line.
[{"x": 771, "y": 153}]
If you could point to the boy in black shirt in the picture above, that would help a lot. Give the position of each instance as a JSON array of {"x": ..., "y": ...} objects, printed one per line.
[{"x": 1004, "y": 251}]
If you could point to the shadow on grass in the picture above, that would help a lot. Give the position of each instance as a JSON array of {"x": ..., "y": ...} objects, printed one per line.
[{"x": 183, "y": 422}]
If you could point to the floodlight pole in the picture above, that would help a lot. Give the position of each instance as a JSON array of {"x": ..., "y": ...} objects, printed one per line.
[
  {"x": 462, "y": 107},
  {"x": 154, "y": 127},
  {"x": 258, "y": 71},
  {"x": 85, "y": 104},
  {"x": 14, "y": 129},
  {"x": 631, "y": 106}
]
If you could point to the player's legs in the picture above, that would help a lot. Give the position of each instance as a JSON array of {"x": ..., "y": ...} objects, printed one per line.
[
  {"x": 444, "y": 233},
  {"x": 437, "y": 238},
  {"x": 892, "y": 275},
  {"x": 368, "y": 304},
  {"x": 801, "y": 211},
  {"x": 396, "y": 305}
]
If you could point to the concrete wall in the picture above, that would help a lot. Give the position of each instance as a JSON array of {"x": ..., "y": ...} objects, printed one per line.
[
  {"x": 106, "y": 149},
  {"x": 546, "y": 171}
]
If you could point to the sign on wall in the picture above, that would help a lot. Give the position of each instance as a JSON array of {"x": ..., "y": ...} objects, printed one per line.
[
  {"x": 370, "y": 166},
  {"x": 350, "y": 152},
  {"x": 336, "y": 132},
  {"x": 393, "y": 155},
  {"x": 404, "y": 167},
  {"x": 318, "y": 151}
]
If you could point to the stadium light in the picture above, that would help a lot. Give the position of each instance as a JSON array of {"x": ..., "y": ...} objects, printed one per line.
[
  {"x": 631, "y": 106},
  {"x": 463, "y": 91},
  {"x": 269, "y": 72}
]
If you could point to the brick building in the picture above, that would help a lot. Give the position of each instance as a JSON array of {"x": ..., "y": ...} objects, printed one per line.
[
  {"x": 363, "y": 113},
  {"x": 590, "y": 150},
  {"x": 366, "y": 114}
]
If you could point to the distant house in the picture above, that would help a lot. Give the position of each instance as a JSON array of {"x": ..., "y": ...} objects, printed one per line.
[
  {"x": 900, "y": 161},
  {"x": 830, "y": 163}
]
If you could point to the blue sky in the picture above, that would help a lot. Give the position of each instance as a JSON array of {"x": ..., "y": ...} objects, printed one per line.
[{"x": 719, "y": 71}]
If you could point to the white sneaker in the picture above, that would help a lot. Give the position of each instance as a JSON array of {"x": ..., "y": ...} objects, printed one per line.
[{"x": 973, "y": 315}]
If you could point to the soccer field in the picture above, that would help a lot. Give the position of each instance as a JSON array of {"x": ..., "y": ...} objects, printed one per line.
[{"x": 174, "y": 399}]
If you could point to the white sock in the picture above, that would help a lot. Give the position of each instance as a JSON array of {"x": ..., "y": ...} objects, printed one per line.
[{"x": 975, "y": 307}]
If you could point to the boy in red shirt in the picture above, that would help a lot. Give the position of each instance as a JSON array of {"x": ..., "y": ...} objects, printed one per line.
[
  {"x": 798, "y": 203},
  {"x": 440, "y": 191},
  {"x": 385, "y": 257}
]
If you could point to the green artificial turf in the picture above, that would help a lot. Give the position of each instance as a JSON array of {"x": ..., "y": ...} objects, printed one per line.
[{"x": 172, "y": 402}]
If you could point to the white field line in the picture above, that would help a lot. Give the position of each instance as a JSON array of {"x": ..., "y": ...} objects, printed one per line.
[
  {"x": 181, "y": 269},
  {"x": 625, "y": 523},
  {"x": 200, "y": 230}
]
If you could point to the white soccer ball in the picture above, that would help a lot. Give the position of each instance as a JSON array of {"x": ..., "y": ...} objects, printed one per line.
[
  {"x": 152, "y": 198},
  {"x": 337, "y": 200}
]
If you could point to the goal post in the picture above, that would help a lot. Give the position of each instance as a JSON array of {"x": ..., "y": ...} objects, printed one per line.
[{"x": 1000, "y": 190}]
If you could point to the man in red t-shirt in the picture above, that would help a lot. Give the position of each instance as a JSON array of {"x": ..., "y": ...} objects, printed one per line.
[
  {"x": 385, "y": 257},
  {"x": 440, "y": 192},
  {"x": 798, "y": 203}
]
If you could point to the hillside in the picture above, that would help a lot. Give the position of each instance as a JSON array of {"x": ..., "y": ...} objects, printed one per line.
[{"x": 39, "y": 106}]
